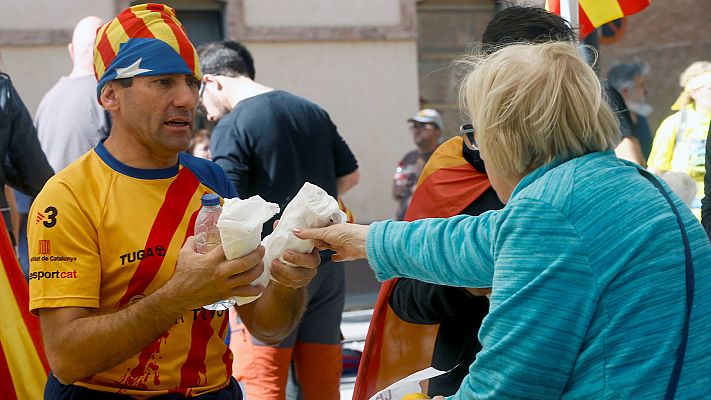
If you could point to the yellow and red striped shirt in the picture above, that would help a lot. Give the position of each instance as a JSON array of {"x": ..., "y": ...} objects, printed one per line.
[{"x": 103, "y": 235}]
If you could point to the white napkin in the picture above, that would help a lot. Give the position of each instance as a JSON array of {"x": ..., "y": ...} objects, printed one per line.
[
  {"x": 240, "y": 226},
  {"x": 407, "y": 385},
  {"x": 312, "y": 207}
]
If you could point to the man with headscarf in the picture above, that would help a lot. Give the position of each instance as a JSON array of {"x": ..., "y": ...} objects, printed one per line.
[
  {"x": 115, "y": 277},
  {"x": 629, "y": 79}
]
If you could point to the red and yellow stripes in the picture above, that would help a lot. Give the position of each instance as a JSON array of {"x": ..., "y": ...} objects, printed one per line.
[
  {"x": 595, "y": 13},
  {"x": 23, "y": 365},
  {"x": 143, "y": 21},
  {"x": 447, "y": 185},
  {"x": 166, "y": 223}
]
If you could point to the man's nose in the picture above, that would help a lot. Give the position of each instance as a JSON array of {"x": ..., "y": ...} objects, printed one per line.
[{"x": 185, "y": 97}]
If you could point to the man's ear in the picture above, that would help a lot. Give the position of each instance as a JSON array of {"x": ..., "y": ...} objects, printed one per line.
[
  {"x": 209, "y": 78},
  {"x": 109, "y": 97}
]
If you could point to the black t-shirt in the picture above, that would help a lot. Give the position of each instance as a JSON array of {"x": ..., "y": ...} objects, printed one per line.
[{"x": 272, "y": 143}]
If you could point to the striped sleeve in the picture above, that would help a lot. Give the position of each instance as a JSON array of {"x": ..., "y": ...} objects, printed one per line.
[
  {"x": 454, "y": 251},
  {"x": 544, "y": 297}
]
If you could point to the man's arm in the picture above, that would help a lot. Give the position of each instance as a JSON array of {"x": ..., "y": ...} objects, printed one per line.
[
  {"x": 347, "y": 182},
  {"x": 26, "y": 167},
  {"x": 630, "y": 150},
  {"x": 345, "y": 163},
  {"x": 275, "y": 314},
  {"x": 79, "y": 342},
  {"x": 229, "y": 151},
  {"x": 425, "y": 303}
]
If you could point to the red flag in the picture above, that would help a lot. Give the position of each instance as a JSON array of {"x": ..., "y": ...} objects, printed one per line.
[
  {"x": 595, "y": 13},
  {"x": 23, "y": 365}
]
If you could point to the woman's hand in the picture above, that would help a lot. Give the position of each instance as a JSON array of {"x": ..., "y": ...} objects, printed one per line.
[{"x": 347, "y": 240}]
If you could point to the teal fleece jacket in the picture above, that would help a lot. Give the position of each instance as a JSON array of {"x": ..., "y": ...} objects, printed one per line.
[{"x": 586, "y": 264}]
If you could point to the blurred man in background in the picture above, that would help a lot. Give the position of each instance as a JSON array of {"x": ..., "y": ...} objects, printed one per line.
[
  {"x": 426, "y": 127},
  {"x": 630, "y": 81},
  {"x": 69, "y": 119}
]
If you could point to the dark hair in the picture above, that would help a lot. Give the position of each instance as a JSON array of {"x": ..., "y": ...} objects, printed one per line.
[
  {"x": 225, "y": 58},
  {"x": 525, "y": 24},
  {"x": 622, "y": 75},
  {"x": 198, "y": 135},
  {"x": 245, "y": 54}
]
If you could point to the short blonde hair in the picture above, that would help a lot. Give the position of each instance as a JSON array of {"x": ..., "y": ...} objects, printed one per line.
[
  {"x": 531, "y": 103},
  {"x": 692, "y": 71}
]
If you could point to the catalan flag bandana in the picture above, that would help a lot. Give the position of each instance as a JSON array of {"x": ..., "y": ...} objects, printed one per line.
[{"x": 144, "y": 40}]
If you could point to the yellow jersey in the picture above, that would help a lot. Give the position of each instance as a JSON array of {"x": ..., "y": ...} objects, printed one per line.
[{"x": 102, "y": 235}]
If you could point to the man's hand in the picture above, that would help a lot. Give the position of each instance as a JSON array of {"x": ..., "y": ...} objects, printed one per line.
[
  {"x": 202, "y": 279},
  {"x": 75, "y": 338},
  {"x": 347, "y": 240},
  {"x": 299, "y": 276},
  {"x": 273, "y": 316}
]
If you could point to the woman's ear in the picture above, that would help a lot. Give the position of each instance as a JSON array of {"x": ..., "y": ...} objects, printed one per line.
[{"x": 109, "y": 97}]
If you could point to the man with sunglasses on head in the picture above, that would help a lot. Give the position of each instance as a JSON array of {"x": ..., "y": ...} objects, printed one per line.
[
  {"x": 269, "y": 142},
  {"x": 426, "y": 128}
]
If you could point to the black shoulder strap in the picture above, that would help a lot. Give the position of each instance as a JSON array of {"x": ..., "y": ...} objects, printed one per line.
[{"x": 681, "y": 352}]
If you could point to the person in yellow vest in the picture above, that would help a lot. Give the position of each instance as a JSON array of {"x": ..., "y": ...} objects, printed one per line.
[{"x": 680, "y": 142}]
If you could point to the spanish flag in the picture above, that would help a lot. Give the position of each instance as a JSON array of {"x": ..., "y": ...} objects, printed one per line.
[
  {"x": 395, "y": 348},
  {"x": 595, "y": 13},
  {"x": 23, "y": 365}
]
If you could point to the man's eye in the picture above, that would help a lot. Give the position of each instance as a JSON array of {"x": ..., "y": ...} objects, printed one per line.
[
  {"x": 192, "y": 82},
  {"x": 165, "y": 81}
]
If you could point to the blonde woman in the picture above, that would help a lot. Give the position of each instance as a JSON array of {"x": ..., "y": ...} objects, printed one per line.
[{"x": 586, "y": 261}]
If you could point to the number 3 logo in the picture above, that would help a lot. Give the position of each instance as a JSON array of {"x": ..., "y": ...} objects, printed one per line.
[{"x": 51, "y": 217}]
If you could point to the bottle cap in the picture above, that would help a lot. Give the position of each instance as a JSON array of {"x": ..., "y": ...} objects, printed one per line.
[{"x": 210, "y": 199}]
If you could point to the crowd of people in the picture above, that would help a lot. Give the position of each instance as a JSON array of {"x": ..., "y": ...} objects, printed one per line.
[{"x": 554, "y": 244}]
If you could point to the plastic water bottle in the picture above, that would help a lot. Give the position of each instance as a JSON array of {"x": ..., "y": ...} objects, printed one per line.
[{"x": 207, "y": 236}]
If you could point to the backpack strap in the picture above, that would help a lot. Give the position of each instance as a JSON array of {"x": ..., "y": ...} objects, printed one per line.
[{"x": 689, "y": 283}]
